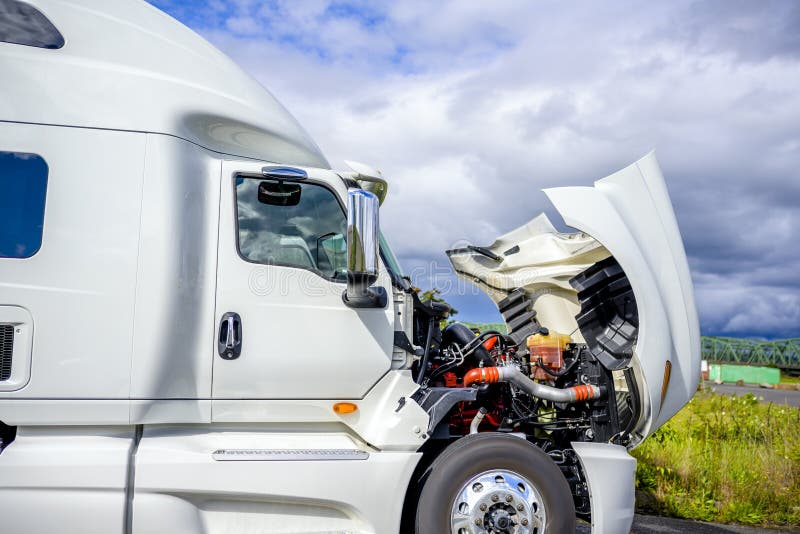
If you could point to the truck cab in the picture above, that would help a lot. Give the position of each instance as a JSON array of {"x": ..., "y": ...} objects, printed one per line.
[{"x": 202, "y": 328}]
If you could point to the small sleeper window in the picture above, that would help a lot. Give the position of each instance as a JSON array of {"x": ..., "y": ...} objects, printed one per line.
[
  {"x": 23, "y": 24},
  {"x": 23, "y": 187}
]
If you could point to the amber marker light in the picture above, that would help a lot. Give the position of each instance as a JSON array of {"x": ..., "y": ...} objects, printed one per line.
[
  {"x": 344, "y": 407},
  {"x": 665, "y": 384}
]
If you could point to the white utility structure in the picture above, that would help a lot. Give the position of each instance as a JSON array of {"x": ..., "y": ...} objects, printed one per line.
[{"x": 202, "y": 329}]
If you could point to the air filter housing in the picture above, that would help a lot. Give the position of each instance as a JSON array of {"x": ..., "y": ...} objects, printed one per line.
[{"x": 519, "y": 315}]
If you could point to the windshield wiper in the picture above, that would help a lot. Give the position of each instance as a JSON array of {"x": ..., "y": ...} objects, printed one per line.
[{"x": 483, "y": 251}]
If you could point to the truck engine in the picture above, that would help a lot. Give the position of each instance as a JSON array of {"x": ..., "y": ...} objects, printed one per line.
[{"x": 532, "y": 382}]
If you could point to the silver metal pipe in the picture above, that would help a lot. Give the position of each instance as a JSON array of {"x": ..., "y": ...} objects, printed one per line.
[
  {"x": 514, "y": 376},
  {"x": 476, "y": 421}
]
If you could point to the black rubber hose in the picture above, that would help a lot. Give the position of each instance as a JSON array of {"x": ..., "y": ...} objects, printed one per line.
[
  {"x": 560, "y": 373},
  {"x": 459, "y": 334},
  {"x": 423, "y": 365}
]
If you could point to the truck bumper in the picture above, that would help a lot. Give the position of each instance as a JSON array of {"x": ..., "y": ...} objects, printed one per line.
[{"x": 610, "y": 473}]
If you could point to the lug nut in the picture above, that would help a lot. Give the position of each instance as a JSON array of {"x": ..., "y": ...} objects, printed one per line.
[
  {"x": 524, "y": 522},
  {"x": 478, "y": 522},
  {"x": 520, "y": 507},
  {"x": 495, "y": 498},
  {"x": 509, "y": 498},
  {"x": 483, "y": 507}
]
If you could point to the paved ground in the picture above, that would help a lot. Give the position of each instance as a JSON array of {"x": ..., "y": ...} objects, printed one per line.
[
  {"x": 643, "y": 524},
  {"x": 776, "y": 396}
]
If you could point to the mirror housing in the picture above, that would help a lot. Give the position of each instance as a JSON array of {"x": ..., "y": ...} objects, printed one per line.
[
  {"x": 363, "y": 252},
  {"x": 369, "y": 179},
  {"x": 279, "y": 193}
]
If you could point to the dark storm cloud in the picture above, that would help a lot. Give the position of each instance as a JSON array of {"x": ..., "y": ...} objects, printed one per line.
[{"x": 754, "y": 31}]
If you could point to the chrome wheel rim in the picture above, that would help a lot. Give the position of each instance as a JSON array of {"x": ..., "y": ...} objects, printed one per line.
[{"x": 498, "y": 502}]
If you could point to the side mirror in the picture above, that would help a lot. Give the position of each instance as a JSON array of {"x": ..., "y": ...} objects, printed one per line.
[
  {"x": 362, "y": 252},
  {"x": 279, "y": 193}
]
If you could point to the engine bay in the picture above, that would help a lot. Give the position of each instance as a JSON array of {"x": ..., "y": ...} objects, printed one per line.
[{"x": 550, "y": 388}]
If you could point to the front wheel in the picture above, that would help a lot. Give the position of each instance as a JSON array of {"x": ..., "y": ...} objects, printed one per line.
[{"x": 494, "y": 483}]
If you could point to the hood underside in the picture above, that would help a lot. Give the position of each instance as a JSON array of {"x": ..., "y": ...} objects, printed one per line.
[
  {"x": 540, "y": 261},
  {"x": 620, "y": 284}
]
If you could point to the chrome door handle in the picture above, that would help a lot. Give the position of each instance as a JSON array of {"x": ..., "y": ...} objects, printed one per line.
[{"x": 229, "y": 342}]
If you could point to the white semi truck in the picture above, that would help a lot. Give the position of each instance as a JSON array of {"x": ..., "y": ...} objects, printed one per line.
[{"x": 202, "y": 329}]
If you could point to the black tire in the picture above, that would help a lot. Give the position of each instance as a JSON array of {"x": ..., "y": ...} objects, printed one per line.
[{"x": 479, "y": 453}]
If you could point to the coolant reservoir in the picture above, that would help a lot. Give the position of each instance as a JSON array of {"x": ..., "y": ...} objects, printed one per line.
[{"x": 550, "y": 348}]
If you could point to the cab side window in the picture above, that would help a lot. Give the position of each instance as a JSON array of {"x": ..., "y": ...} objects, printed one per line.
[
  {"x": 23, "y": 187},
  {"x": 292, "y": 224},
  {"x": 23, "y": 24}
]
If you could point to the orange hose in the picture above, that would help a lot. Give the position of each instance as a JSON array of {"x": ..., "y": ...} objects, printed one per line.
[
  {"x": 582, "y": 393},
  {"x": 487, "y": 375},
  {"x": 491, "y": 375}
]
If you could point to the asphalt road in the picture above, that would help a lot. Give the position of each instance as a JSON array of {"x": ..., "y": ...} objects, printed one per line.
[
  {"x": 775, "y": 396},
  {"x": 644, "y": 524}
]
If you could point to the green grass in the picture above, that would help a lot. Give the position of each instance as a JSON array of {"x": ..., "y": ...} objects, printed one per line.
[
  {"x": 723, "y": 459},
  {"x": 499, "y": 327},
  {"x": 789, "y": 379}
]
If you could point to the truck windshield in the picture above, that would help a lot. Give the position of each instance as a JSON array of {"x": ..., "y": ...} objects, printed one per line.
[{"x": 390, "y": 260}]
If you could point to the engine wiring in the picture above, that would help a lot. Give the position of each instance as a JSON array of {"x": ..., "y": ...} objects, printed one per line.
[{"x": 518, "y": 405}]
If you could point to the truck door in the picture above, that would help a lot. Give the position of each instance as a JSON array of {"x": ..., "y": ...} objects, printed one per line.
[{"x": 282, "y": 329}]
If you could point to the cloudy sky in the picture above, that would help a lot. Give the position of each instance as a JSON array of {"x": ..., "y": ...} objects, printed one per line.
[{"x": 471, "y": 107}]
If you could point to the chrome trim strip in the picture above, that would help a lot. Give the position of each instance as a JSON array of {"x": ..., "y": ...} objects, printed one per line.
[
  {"x": 287, "y": 455},
  {"x": 284, "y": 173}
]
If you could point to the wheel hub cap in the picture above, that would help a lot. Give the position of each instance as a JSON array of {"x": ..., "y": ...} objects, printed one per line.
[{"x": 498, "y": 502}]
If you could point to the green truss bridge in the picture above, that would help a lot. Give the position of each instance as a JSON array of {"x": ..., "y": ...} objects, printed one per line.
[{"x": 784, "y": 353}]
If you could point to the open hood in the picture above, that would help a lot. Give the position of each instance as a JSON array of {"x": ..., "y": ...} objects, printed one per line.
[{"x": 621, "y": 284}]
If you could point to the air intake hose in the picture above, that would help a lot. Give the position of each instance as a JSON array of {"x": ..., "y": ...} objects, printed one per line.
[{"x": 512, "y": 375}]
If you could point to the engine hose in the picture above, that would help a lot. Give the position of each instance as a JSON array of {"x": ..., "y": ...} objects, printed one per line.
[
  {"x": 512, "y": 375},
  {"x": 476, "y": 421},
  {"x": 557, "y": 374},
  {"x": 423, "y": 364}
]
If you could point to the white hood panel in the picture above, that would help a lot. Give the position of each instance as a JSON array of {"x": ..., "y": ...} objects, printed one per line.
[{"x": 628, "y": 215}]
